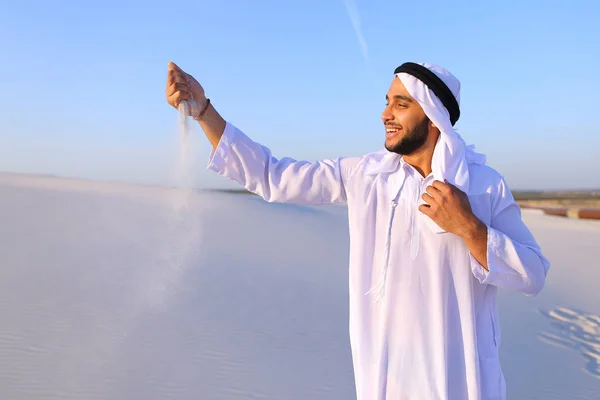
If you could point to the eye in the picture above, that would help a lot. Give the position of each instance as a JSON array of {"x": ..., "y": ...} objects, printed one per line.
[{"x": 401, "y": 105}]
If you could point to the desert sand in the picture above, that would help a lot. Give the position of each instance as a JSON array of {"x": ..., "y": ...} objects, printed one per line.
[{"x": 116, "y": 291}]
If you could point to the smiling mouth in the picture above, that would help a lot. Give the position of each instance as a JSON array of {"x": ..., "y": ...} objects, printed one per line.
[{"x": 391, "y": 132}]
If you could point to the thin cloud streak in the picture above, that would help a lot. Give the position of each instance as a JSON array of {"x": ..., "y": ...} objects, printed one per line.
[{"x": 354, "y": 15}]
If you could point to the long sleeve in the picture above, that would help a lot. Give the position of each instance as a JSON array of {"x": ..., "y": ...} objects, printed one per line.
[
  {"x": 252, "y": 165},
  {"x": 514, "y": 258}
]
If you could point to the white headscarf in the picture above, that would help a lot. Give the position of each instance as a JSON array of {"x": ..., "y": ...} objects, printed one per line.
[{"x": 451, "y": 155}]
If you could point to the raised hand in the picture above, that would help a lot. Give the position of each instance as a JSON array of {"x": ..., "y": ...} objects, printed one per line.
[{"x": 183, "y": 86}]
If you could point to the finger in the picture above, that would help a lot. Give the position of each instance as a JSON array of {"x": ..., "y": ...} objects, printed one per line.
[
  {"x": 425, "y": 210},
  {"x": 441, "y": 186},
  {"x": 428, "y": 199},
  {"x": 176, "y": 78},
  {"x": 177, "y": 98},
  {"x": 174, "y": 66},
  {"x": 175, "y": 87},
  {"x": 173, "y": 75},
  {"x": 174, "y": 92},
  {"x": 454, "y": 188},
  {"x": 175, "y": 72},
  {"x": 433, "y": 191}
]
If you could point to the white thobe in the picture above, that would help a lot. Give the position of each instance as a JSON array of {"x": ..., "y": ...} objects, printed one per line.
[{"x": 435, "y": 334}]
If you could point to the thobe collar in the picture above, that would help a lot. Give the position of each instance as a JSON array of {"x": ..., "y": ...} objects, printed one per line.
[
  {"x": 394, "y": 163},
  {"x": 388, "y": 164}
]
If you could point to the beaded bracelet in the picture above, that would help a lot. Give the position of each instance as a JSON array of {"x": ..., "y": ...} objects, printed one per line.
[{"x": 201, "y": 114}]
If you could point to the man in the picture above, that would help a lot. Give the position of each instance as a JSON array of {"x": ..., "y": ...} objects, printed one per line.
[{"x": 433, "y": 233}]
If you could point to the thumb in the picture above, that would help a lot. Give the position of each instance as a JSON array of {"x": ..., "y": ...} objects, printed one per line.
[{"x": 174, "y": 66}]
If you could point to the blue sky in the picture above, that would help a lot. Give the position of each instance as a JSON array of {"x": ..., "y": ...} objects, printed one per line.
[{"x": 83, "y": 82}]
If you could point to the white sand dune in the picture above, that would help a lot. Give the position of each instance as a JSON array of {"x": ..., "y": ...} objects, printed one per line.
[{"x": 108, "y": 292}]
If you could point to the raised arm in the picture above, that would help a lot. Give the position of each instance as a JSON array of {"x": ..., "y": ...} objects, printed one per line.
[{"x": 251, "y": 164}]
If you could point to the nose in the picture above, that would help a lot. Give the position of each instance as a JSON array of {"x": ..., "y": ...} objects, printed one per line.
[{"x": 387, "y": 115}]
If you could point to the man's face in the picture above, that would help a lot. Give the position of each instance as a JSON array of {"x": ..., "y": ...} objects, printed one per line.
[{"x": 406, "y": 125}]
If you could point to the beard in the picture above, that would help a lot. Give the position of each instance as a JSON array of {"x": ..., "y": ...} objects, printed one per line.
[{"x": 413, "y": 139}]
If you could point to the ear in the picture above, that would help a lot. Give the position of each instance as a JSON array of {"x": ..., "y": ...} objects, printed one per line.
[{"x": 433, "y": 128}]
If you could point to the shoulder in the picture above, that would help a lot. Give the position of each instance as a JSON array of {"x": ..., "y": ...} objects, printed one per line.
[
  {"x": 363, "y": 164},
  {"x": 484, "y": 179},
  {"x": 375, "y": 158}
]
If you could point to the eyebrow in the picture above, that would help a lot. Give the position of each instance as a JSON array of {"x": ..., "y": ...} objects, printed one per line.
[{"x": 400, "y": 97}]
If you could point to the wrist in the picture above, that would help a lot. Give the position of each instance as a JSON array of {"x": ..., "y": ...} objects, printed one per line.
[
  {"x": 199, "y": 108},
  {"x": 474, "y": 229},
  {"x": 200, "y": 101}
]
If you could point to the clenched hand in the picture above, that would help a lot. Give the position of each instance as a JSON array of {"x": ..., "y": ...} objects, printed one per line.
[
  {"x": 449, "y": 207},
  {"x": 182, "y": 86}
]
